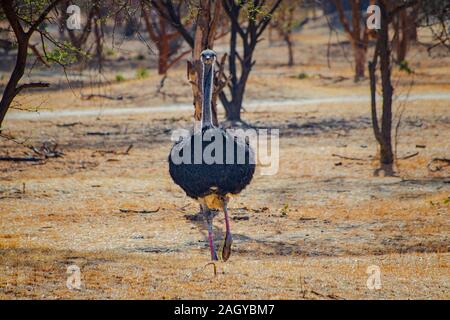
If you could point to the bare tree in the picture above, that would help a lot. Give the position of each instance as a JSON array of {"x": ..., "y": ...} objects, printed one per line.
[
  {"x": 18, "y": 20},
  {"x": 285, "y": 20},
  {"x": 382, "y": 59},
  {"x": 357, "y": 33},
  {"x": 382, "y": 52},
  {"x": 248, "y": 19},
  {"x": 405, "y": 31},
  {"x": 206, "y": 16},
  {"x": 434, "y": 15},
  {"x": 167, "y": 40}
]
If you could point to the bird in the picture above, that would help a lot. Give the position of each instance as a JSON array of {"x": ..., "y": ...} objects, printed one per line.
[{"x": 212, "y": 183}]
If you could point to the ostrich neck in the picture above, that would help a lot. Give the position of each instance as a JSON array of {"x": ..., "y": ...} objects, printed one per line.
[{"x": 208, "y": 72}]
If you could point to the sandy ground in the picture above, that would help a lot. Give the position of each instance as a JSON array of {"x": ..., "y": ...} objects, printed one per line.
[{"x": 308, "y": 232}]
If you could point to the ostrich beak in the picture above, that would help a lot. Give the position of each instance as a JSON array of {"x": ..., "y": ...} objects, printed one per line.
[{"x": 207, "y": 60}]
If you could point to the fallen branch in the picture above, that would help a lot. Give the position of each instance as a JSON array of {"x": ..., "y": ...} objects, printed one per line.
[
  {"x": 70, "y": 124},
  {"x": 138, "y": 211},
  {"x": 97, "y": 133},
  {"x": 47, "y": 150},
  {"x": 333, "y": 79},
  {"x": 409, "y": 156},
  {"x": 238, "y": 218},
  {"x": 123, "y": 153},
  {"x": 350, "y": 158},
  {"x": 105, "y": 96},
  {"x": 19, "y": 159},
  {"x": 330, "y": 296}
]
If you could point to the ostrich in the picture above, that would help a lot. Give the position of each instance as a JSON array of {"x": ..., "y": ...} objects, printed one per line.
[{"x": 212, "y": 183}]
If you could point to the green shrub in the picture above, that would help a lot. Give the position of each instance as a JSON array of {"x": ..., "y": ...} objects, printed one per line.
[
  {"x": 302, "y": 76},
  {"x": 141, "y": 73},
  {"x": 404, "y": 66},
  {"x": 110, "y": 52},
  {"x": 119, "y": 77}
]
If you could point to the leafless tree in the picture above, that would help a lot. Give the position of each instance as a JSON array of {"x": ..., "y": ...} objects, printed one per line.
[
  {"x": 405, "y": 31},
  {"x": 248, "y": 20},
  {"x": 382, "y": 60},
  {"x": 167, "y": 40},
  {"x": 287, "y": 18},
  {"x": 205, "y": 16},
  {"x": 357, "y": 33}
]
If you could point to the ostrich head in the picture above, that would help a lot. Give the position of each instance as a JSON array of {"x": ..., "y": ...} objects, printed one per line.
[{"x": 208, "y": 56}]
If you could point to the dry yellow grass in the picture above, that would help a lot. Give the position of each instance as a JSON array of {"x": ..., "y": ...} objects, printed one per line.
[{"x": 310, "y": 232}]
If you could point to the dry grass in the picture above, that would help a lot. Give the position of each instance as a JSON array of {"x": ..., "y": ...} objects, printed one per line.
[{"x": 312, "y": 230}]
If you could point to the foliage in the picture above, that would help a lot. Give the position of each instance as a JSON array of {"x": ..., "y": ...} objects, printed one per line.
[
  {"x": 141, "y": 73},
  {"x": 120, "y": 77},
  {"x": 302, "y": 76},
  {"x": 255, "y": 11},
  {"x": 404, "y": 66},
  {"x": 64, "y": 54}
]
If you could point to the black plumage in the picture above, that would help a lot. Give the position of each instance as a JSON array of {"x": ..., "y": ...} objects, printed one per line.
[
  {"x": 211, "y": 164},
  {"x": 201, "y": 180}
]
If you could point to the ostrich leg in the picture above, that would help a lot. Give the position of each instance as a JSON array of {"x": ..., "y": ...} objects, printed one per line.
[
  {"x": 209, "y": 215},
  {"x": 226, "y": 251}
]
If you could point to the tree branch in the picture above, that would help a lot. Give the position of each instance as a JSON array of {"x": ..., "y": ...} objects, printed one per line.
[
  {"x": 32, "y": 85},
  {"x": 42, "y": 16}
]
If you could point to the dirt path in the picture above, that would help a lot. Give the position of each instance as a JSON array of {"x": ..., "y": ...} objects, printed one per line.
[{"x": 251, "y": 105}]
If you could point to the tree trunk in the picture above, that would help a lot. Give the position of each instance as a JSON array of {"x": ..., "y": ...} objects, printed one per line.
[
  {"x": 23, "y": 39},
  {"x": 412, "y": 23},
  {"x": 19, "y": 69},
  {"x": 249, "y": 36},
  {"x": 99, "y": 36},
  {"x": 359, "y": 53},
  {"x": 357, "y": 35},
  {"x": 204, "y": 39},
  {"x": 234, "y": 107},
  {"x": 386, "y": 154},
  {"x": 233, "y": 112},
  {"x": 290, "y": 46},
  {"x": 163, "y": 48},
  {"x": 403, "y": 35},
  {"x": 382, "y": 135}
]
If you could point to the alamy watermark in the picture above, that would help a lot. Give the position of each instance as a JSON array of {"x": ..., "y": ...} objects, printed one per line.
[
  {"x": 374, "y": 18},
  {"x": 374, "y": 279},
  {"x": 73, "y": 281},
  {"x": 74, "y": 20}
]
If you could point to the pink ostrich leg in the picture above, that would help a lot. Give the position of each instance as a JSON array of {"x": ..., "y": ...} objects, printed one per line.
[{"x": 211, "y": 241}]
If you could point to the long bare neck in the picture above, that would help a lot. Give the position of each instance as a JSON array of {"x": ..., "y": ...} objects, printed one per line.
[{"x": 207, "y": 81}]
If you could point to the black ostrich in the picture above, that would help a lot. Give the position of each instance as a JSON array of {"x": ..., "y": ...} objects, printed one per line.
[{"x": 212, "y": 183}]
